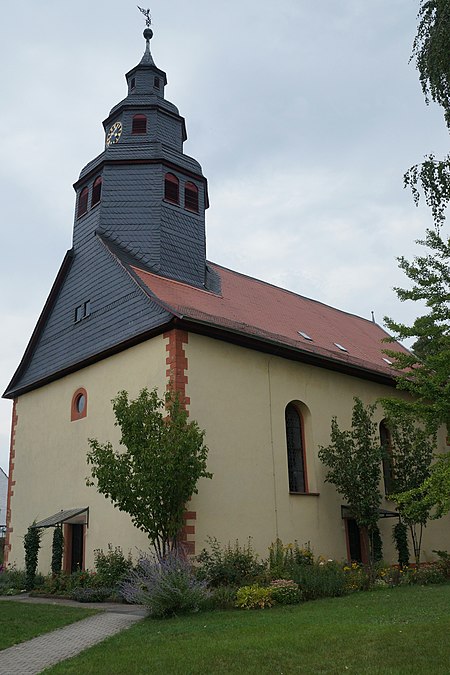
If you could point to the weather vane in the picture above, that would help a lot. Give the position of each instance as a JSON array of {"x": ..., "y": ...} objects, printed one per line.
[{"x": 146, "y": 13}]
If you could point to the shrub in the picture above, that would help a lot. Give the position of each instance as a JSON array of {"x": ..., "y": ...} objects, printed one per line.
[
  {"x": 356, "y": 577},
  {"x": 57, "y": 549},
  {"x": 285, "y": 592},
  {"x": 427, "y": 573},
  {"x": 254, "y": 597},
  {"x": 12, "y": 580},
  {"x": 100, "y": 594},
  {"x": 229, "y": 566},
  {"x": 167, "y": 587},
  {"x": 222, "y": 597},
  {"x": 282, "y": 558},
  {"x": 444, "y": 562},
  {"x": 320, "y": 580},
  {"x": 400, "y": 537},
  {"x": 64, "y": 584},
  {"x": 32, "y": 543},
  {"x": 111, "y": 567}
]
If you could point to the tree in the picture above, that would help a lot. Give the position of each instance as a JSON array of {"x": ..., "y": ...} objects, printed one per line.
[
  {"x": 425, "y": 372},
  {"x": 354, "y": 467},
  {"x": 410, "y": 453},
  {"x": 433, "y": 495},
  {"x": 155, "y": 474}
]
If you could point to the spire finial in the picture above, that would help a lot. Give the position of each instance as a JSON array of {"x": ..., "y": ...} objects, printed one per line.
[{"x": 148, "y": 34}]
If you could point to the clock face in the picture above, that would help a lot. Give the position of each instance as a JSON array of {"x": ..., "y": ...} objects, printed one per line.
[{"x": 114, "y": 133}]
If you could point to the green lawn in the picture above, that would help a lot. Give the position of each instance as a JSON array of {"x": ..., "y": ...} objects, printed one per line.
[
  {"x": 20, "y": 621},
  {"x": 403, "y": 630}
]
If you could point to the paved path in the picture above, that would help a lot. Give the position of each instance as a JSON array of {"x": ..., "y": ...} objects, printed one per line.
[{"x": 32, "y": 657}]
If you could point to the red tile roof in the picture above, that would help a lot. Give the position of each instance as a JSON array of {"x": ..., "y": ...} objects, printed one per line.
[{"x": 257, "y": 309}]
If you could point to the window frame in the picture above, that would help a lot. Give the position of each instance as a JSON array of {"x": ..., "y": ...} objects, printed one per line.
[
  {"x": 76, "y": 414},
  {"x": 191, "y": 189},
  {"x": 96, "y": 191},
  {"x": 292, "y": 406},
  {"x": 171, "y": 180},
  {"x": 387, "y": 463},
  {"x": 83, "y": 202},
  {"x": 137, "y": 126}
]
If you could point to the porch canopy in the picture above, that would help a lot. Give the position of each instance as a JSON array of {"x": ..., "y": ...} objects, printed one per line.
[
  {"x": 382, "y": 513},
  {"x": 78, "y": 516}
]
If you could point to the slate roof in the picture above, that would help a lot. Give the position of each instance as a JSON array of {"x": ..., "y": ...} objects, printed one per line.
[{"x": 256, "y": 309}]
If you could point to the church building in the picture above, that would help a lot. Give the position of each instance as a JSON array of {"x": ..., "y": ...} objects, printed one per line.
[{"x": 136, "y": 304}]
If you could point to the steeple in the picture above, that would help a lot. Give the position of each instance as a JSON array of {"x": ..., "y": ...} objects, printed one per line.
[{"x": 142, "y": 192}]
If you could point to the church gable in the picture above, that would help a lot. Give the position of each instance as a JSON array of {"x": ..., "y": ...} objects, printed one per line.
[{"x": 95, "y": 307}]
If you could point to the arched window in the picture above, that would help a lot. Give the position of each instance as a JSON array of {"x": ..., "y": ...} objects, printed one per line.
[
  {"x": 388, "y": 472},
  {"x": 295, "y": 449},
  {"x": 191, "y": 197},
  {"x": 83, "y": 202},
  {"x": 96, "y": 191},
  {"x": 171, "y": 188},
  {"x": 78, "y": 409},
  {"x": 139, "y": 124}
]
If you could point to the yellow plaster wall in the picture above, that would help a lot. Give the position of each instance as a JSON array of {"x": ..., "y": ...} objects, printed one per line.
[
  {"x": 51, "y": 450},
  {"x": 239, "y": 396}
]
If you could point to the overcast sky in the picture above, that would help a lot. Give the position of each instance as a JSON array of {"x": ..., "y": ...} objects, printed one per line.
[{"x": 303, "y": 113}]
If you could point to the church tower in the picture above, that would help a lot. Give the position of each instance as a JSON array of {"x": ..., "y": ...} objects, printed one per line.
[
  {"x": 143, "y": 193},
  {"x": 140, "y": 204}
]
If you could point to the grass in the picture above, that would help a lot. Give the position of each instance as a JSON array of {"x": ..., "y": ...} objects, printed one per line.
[
  {"x": 20, "y": 621},
  {"x": 399, "y": 631}
]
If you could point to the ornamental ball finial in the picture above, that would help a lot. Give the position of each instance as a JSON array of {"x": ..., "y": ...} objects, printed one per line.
[{"x": 148, "y": 33}]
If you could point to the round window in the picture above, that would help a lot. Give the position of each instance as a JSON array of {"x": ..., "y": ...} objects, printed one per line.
[{"x": 80, "y": 403}]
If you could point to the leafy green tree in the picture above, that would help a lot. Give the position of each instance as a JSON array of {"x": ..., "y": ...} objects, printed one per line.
[
  {"x": 410, "y": 453},
  {"x": 354, "y": 467},
  {"x": 425, "y": 372},
  {"x": 156, "y": 472},
  {"x": 432, "y": 496}
]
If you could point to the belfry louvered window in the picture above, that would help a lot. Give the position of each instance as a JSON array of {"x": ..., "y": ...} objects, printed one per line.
[
  {"x": 83, "y": 202},
  {"x": 139, "y": 125},
  {"x": 295, "y": 449},
  {"x": 191, "y": 197},
  {"x": 96, "y": 191},
  {"x": 171, "y": 188}
]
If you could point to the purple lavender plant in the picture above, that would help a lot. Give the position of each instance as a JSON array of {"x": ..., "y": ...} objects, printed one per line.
[{"x": 166, "y": 586}]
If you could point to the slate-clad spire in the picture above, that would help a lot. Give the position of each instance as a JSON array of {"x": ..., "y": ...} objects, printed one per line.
[
  {"x": 147, "y": 59},
  {"x": 153, "y": 196},
  {"x": 140, "y": 204}
]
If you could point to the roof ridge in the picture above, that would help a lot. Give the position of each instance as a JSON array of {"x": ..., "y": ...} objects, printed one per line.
[
  {"x": 298, "y": 295},
  {"x": 177, "y": 281}
]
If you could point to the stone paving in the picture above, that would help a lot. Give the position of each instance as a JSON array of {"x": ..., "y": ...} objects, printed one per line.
[{"x": 33, "y": 656}]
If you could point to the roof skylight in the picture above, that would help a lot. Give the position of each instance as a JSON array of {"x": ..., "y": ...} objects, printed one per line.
[
  {"x": 343, "y": 349},
  {"x": 305, "y": 335},
  {"x": 387, "y": 361}
]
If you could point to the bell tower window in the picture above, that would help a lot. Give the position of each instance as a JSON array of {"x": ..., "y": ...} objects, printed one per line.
[
  {"x": 156, "y": 82},
  {"x": 139, "y": 124},
  {"x": 96, "y": 191},
  {"x": 171, "y": 188},
  {"x": 191, "y": 197},
  {"x": 83, "y": 202}
]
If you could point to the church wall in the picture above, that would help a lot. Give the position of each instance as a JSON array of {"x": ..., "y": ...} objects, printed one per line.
[
  {"x": 239, "y": 396},
  {"x": 50, "y": 450}
]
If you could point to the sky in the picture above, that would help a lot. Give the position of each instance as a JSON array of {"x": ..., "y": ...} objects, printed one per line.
[{"x": 304, "y": 116}]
